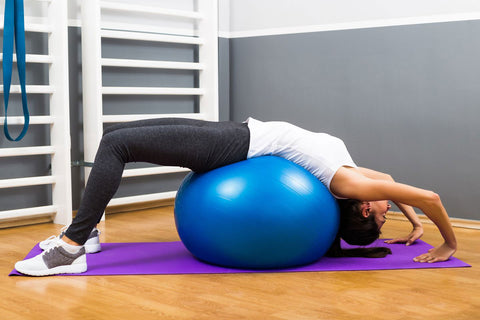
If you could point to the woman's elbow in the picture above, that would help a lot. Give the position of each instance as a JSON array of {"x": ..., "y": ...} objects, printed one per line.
[
  {"x": 388, "y": 177},
  {"x": 432, "y": 198}
]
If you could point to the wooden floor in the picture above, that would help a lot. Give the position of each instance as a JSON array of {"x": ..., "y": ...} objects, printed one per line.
[{"x": 391, "y": 294}]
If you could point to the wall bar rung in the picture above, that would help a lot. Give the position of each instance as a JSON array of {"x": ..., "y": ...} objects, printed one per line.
[
  {"x": 30, "y": 89},
  {"x": 133, "y": 117},
  {"x": 32, "y": 58},
  {"x": 150, "y": 37},
  {"x": 24, "y": 182},
  {"x": 28, "y": 212},
  {"x": 152, "y": 91},
  {"x": 133, "y": 63},
  {"x": 35, "y": 27},
  {"x": 143, "y": 198},
  {"x": 152, "y": 171},
  {"x": 149, "y": 28},
  {"x": 31, "y": 27},
  {"x": 33, "y": 120},
  {"x": 150, "y": 10},
  {"x": 26, "y": 151}
]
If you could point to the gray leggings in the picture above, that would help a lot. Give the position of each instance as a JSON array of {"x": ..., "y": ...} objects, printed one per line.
[{"x": 198, "y": 145}]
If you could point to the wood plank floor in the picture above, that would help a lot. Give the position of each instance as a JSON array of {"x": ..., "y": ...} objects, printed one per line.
[{"x": 389, "y": 294}]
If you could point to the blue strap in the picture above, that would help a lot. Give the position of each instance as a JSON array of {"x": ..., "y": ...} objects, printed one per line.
[{"x": 14, "y": 25}]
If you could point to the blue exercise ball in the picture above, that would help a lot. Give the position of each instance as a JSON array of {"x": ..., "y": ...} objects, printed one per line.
[{"x": 261, "y": 213}]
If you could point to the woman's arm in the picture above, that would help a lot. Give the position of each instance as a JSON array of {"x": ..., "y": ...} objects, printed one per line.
[
  {"x": 407, "y": 210},
  {"x": 349, "y": 183},
  {"x": 417, "y": 231}
]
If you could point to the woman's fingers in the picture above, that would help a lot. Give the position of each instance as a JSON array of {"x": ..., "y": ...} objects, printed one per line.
[
  {"x": 423, "y": 258},
  {"x": 411, "y": 240},
  {"x": 396, "y": 240},
  {"x": 428, "y": 257},
  {"x": 441, "y": 253}
]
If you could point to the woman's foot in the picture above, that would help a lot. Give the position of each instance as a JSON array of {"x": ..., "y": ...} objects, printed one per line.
[{"x": 61, "y": 257}]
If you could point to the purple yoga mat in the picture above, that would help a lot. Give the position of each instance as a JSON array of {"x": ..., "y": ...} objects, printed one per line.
[{"x": 173, "y": 258}]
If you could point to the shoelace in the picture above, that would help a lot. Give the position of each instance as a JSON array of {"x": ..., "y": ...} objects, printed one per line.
[
  {"x": 53, "y": 237},
  {"x": 48, "y": 253},
  {"x": 49, "y": 239}
]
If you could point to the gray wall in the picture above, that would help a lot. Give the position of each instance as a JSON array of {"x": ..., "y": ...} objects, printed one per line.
[
  {"x": 405, "y": 99},
  {"x": 224, "y": 78}
]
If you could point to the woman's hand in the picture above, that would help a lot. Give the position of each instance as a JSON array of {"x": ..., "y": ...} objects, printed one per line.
[
  {"x": 416, "y": 234},
  {"x": 442, "y": 253}
]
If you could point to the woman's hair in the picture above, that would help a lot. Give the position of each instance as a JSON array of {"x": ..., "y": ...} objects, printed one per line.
[{"x": 355, "y": 229}]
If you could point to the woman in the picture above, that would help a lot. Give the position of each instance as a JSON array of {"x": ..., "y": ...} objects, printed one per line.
[{"x": 203, "y": 146}]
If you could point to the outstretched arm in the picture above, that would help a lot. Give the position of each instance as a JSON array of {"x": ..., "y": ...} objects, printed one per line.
[
  {"x": 407, "y": 210},
  {"x": 349, "y": 183}
]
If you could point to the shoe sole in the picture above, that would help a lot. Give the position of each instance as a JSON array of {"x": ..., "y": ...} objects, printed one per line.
[
  {"x": 76, "y": 268},
  {"x": 93, "y": 248}
]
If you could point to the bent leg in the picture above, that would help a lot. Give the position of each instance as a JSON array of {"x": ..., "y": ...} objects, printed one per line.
[{"x": 200, "y": 146}]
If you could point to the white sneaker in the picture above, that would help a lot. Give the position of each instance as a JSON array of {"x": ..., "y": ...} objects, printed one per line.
[
  {"x": 55, "y": 260},
  {"x": 91, "y": 246}
]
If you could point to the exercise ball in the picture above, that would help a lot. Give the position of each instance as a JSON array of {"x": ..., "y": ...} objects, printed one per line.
[{"x": 261, "y": 213}]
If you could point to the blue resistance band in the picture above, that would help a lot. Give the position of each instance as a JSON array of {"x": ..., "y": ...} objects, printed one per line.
[{"x": 14, "y": 25}]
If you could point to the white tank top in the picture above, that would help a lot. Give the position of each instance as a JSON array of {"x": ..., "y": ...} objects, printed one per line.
[{"x": 319, "y": 153}]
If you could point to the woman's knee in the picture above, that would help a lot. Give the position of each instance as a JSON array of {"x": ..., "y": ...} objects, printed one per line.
[
  {"x": 113, "y": 145},
  {"x": 112, "y": 128},
  {"x": 111, "y": 140}
]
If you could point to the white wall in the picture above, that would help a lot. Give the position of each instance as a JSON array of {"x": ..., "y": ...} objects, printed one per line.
[
  {"x": 259, "y": 17},
  {"x": 224, "y": 16}
]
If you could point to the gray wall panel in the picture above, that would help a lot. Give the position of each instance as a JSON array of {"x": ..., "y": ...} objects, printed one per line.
[
  {"x": 405, "y": 99},
  {"x": 224, "y": 78}
]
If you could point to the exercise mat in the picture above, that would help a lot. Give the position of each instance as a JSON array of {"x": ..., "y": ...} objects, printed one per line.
[{"x": 173, "y": 258}]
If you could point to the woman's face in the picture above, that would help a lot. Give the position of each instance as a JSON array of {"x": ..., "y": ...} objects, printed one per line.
[{"x": 376, "y": 208}]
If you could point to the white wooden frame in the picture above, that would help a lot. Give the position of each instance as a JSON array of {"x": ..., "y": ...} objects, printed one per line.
[
  {"x": 55, "y": 26},
  {"x": 204, "y": 17}
]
